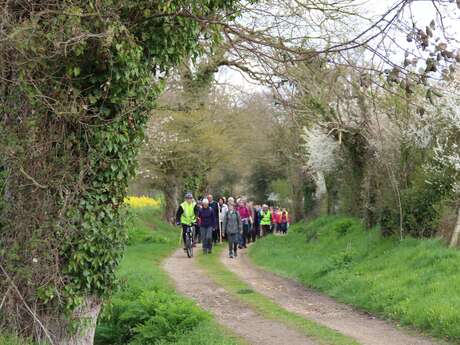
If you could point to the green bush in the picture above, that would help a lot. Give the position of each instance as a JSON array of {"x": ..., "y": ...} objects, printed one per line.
[
  {"x": 338, "y": 261},
  {"x": 421, "y": 203},
  {"x": 413, "y": 281},
  {"x": 342, "y": 226},
  {"x": 142, "y": 317}
]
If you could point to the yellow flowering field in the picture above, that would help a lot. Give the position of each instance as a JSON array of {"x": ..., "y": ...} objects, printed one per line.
[{"x": 141, "y": 201}]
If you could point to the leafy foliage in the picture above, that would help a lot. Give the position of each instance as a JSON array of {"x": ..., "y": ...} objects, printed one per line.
[{"x": 140, "y": 317}]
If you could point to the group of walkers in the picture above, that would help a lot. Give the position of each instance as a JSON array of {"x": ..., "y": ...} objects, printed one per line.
[{"x": 238, "y": 221}]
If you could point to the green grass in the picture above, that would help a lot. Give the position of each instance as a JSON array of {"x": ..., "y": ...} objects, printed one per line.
[
  {"x": 415, "y": 282},
  {"x": 12, "y": 340},
  {"x": 265, "y": 306},
  {"x": 146, "y": 310}
]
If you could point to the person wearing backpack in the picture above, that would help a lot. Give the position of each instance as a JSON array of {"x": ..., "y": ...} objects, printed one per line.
[{"x": 233, "y": 228}]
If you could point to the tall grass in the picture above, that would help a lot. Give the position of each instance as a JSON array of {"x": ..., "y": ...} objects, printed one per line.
[
  {"x": 415, "y": 282},
  {"x": 13, "y": 340}
]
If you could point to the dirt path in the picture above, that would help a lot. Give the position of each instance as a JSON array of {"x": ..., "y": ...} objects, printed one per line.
[
  {"x": 191, "y": 281},
  {"x": 294, "y": 297}
]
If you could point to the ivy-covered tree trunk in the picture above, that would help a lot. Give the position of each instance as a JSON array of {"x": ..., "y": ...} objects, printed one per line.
[
  {"x": 351, "y": 183},
  {"x": 297, "y": 193},
  {"x": 321, "y": 195},
  {"x": 78, "y": 80},
  {"x": 456, "y": 233},
  {"x": 370, "y": 200}
]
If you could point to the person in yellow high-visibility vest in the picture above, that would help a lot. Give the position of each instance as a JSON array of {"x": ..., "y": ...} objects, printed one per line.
[
  {"x": 265, "y": 220},
  {"x": 186, "y": 214}
]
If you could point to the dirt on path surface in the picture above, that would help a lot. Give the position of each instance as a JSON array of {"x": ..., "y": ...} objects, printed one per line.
[
  {"x": 294, "y": 297},
  {"x": 233, "y": 314}
]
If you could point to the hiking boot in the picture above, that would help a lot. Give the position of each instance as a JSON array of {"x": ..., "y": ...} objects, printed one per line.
[{"x": 230, "y": 256}]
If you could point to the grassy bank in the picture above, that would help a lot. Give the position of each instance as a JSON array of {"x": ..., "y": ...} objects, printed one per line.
[
  {"x": 265, "y": 306},
  {"x": 413, "y": 281},
  {"x": 146, "y": 310},
  {"x": 13, "y": 340}
]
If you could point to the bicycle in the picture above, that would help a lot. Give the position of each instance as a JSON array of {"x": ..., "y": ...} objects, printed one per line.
[{"x": 189, "y": 240}]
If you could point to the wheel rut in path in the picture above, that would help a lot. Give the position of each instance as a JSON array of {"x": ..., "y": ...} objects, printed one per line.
[
  {"x": 310, "y": 304},
  {"x": 233, "y": 314}
]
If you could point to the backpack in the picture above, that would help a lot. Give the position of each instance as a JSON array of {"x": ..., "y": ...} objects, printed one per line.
[{"x": 237, "y": 218}]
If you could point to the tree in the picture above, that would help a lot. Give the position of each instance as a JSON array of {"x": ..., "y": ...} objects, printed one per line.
[
  {"x": 181, "y": 147},
  {"x": 78, "y": 80}
]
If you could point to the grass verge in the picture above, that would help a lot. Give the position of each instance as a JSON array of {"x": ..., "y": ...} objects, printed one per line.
[
  {"x": 414, "y": 282},
  {"x": 146, "y": 310},
  {"x": 265, "y": 306},
  {"x": 13, "y": 340}
]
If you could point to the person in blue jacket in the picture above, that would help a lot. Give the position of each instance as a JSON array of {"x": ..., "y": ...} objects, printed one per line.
[{"x": 207, "y": 224}]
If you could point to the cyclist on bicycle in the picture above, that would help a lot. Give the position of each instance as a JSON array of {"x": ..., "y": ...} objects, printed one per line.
[{"x": 187, "y": 214}]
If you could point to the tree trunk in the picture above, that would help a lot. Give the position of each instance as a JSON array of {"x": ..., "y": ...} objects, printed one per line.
[
  {"x": 321, "y": 195},
  {"x": 298, "y": 204},
  {"x": 86, "y": 315},
  {"x": 370, "y": 200},
  {"x": 456, "y": 233},
  {"x": 171, "y": 192},
  {"x": 297, "y": 193},
  {"x": 89, "y": 314}
]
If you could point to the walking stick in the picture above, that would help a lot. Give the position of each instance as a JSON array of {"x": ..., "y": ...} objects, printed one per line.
[
  {"x": 220, "y": 231},
  {"x": 220, "y": 228}
]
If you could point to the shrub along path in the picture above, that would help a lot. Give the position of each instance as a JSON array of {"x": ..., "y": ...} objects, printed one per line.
[
  {"x": 229, "y": 311},
  {"x": 293, "y": 297}
]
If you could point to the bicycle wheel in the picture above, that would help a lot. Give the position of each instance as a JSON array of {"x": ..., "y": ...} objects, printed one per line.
[{"x": 189, "y": 246}]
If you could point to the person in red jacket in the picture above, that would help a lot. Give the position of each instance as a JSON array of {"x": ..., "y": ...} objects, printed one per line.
[
  {"x": 284, "y": 221},
  {"x": 278, "y": 220},
  {"x": 245, "y": 216}
]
